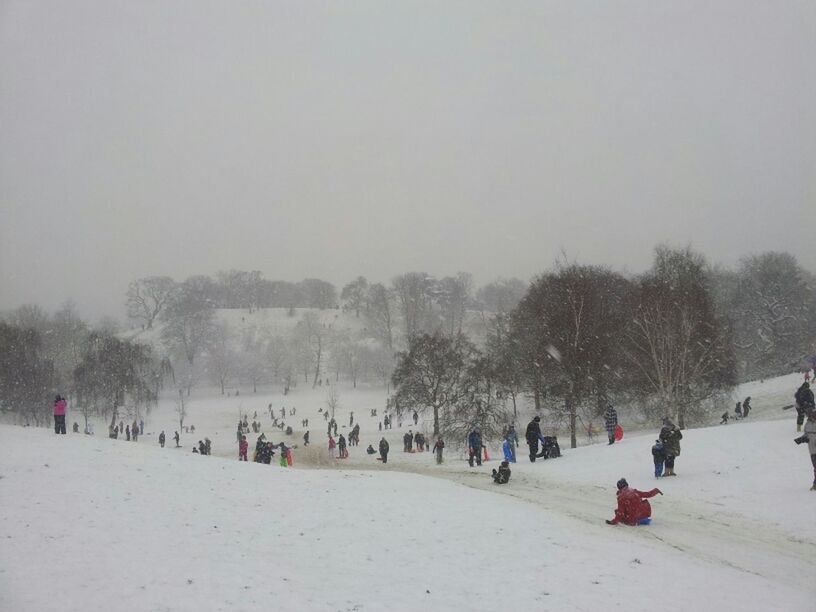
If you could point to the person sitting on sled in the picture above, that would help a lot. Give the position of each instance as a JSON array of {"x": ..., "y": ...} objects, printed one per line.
[
  {"x": 632, "y": 509},
  {"x": 502, "y": 475}
]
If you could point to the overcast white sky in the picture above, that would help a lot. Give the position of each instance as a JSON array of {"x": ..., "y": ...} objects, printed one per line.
[{"x": 332, "y": 139}]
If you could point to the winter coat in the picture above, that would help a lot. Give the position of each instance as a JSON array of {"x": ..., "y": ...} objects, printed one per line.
[
  {"x": 512, "y": 437},
  {"x": 438, "y": 446},
  {"x": 243, "y": 447},
  {"x": 384, "y": 447},
  {"x": 810, "y": 432},
  {"x": 161, "y": 438},
  {"x": 659, "y": 453},
  {"x": 475, "y": 440},
  {"x": 610, "y": 419},
  {"x": 804, "y": 398},
  {"x": 632, "y": 507},
  {"x": 671, "y": 436},
  {"x": 533, "y": 433},
  {"x": 332, "y": 443},
  {"x": 60, "y": 405},
  {"x": 502, "y": 475},
  {"x": 341, "y": 443}
]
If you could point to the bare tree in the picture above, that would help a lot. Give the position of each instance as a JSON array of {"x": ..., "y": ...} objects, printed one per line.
[
  {"x": 147, "y": 297},
  {"x": 221, "y": 358},
  {"x": 453, "y": 294},
  {"x": 414, "y": 293},
  {"x": 677, "y": 346},
  {"x": 354, "y": 295},
  {"x": 379, "y": 312}
]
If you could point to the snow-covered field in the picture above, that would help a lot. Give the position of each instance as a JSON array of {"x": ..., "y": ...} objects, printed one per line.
[{"x": 88, "y": 523}]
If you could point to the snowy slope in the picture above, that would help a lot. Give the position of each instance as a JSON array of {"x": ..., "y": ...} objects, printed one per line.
[{"x": 117, "y": 526}]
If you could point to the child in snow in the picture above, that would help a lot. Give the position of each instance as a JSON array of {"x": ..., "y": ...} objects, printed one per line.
[
  {"x": 437, "y": 449},
  {"x": 502, "y": 475},
  {"x": 659, "y": 456},
  {"x": 243, "y": 449},
  {"x": 370, "y": 450},
  {"x": 724, "y": 418},
  {"x": 633, "y": 509}
]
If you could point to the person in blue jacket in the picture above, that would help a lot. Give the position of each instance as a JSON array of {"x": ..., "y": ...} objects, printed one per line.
[
  {"x": 659, "y": 457},
  {"x": 510, "y": 443},
  {"x": 475, "y": 447}
]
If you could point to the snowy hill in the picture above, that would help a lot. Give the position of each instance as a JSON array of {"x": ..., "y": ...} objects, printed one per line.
[{"x": 118, "y": 525}]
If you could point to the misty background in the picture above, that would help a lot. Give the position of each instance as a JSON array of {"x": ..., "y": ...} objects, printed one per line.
[{"x": 330, "y": 140}]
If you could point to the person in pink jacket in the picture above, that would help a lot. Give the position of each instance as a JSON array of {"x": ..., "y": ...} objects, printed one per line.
[{"x": 60, "y": 406}]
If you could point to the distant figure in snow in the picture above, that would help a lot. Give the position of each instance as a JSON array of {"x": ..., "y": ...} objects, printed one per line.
[
  {"x": 380, "y": 425},
  {"x": 610, "y": 422},
  {"x": 804, "y": 402},
  {"x": 511, "y": 437},
  {"x": 341, "y": 447},
  {"x": 141, "y": 427},
  {"x": 201, "y": 448},
  {"x": 407, "y": 441},
  {"x": 127, "y": 432},
  {"x": 135, "y": 430},
  {"x": 384, "y": 448},
  {"x": 192, "y": 428},
  {"x": 207, "y": 446},
  {"x": 670, "y": 436},
  {"x": 243, "y": 449},
  {"x": 810, "y": 437},
  {"x": 438, "y": 448},
  {"x": 60, "y": 406},
  {"x": 416, "y": 418},
  {"x": 332, "y": 446},
  {"x": 533, "y": 435},
  {"x": 475, "y": 447},
  {"x": 633, "y": 509},
  {"x": 161, "y": 439},
  {"x": 746, "y": 407},
  {"x": 724, "y": 418},
  {"x": 370, "y": 450},
  {"x": 351, "y": 419},
  {"x": 306, "y": 439},
  {"x": 502, "y": 475},
  {"x": 76, "y": 427},
  {"x": 176, "y": 437},
  {"x": 659, "y": 457},
  {"x": 738, "y": 410}
]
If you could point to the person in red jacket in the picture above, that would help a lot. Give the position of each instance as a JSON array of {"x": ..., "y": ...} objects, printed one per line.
[
  {"x": 243, "y": 447},
  {"x": 632, "y": 507}
]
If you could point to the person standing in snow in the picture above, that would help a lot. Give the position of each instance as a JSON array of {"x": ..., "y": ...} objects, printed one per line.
[
  {"x": 161, "y": 439},
  {"x": 416, "y": 418},
  {"x": 810, "y": 437},
  {"x": 141, "y": 427},
  {"x": 533, "y": 435},
  {"x": 243, "y": 449},
  {"x": 738, "y": 410},
  {"x": 746, "y": 407},
  {"x": 632, "y": 505},
  {"x": 804, "y": 402},
  {"x": 511, "y": 437},
  {"x": 176, "y": 437},
  {"x": 341, "y": 447},
  {"x": 407, "y": 441},
  {"x": 670, "y": 436},
  {"x": 332, "y": 446},
  {"x": 438, "y": 448},
  {"x": 306, "y": 439},
  {"x": 659, "y": 458},
  {"x": 127, "y": 432},
  {"x": 135, "y": 430},
  {"x": 351, "y": 418},
  {"x": 610, "y": 422},
  {"x": 60, "y": 406},
  {"x": 384, "y": 448},
  {"x": 475, "y": 447}
]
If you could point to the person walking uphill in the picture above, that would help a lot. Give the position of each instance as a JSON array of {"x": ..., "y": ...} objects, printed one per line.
[
  {"x": 384, "y": 450},
  {"x": 804, "y": 402},
  {"x": 633, "y": 509},
  {"x": 810, "y": 438},
  {"x": 610, "y": 422},
  {"x": 60, "y": 406},
  {"x": 475, "y": 447},
  {"x": 533, "y": 435},
  {"x": 670, "y": 436}
]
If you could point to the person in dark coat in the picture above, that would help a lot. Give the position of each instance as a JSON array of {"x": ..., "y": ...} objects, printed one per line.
[
  {"x": 659, "y": 457},
  {"x": 746, "y": 407},
  {"x": 384, "y": 450},
  {"x": 670, "y": 436},
  {"x": 533, "y": 435},
  {"x": 475, "y": 447},
  {"x": 804, "y": 402},
  {"x": 341, "y": 447},
  {"x": 306, "y": 439},
  {"x": 610, "y": 422},
  {"x": 127, "y": 432},
  {"x": 161, "y": 439},
  {"x": 511, "y": 437},
  {"x": 370, "y": 450},
  {"x": 810, "y": 438},
  {"x": 738, "y": 410},
  {"x": 502, "y": 475},
  {"x": 416, "y": 418},
  {"x": 408, "y": 441},
  {"x": 177, "y": 438},
  {"x": 438, "y": 448}
]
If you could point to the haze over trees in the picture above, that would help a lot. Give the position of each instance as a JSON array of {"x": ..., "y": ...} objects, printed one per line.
[{"x": 671, "y": 341}]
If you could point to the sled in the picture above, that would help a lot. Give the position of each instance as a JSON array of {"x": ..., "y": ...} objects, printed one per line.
[
  {"x": 788, "y": 407},
  {"x": 289, "y": 457},
  {"x": 645, "y": 521},
  {"x": 618, "y": 433},
  {"x": 486, "y": 456}
]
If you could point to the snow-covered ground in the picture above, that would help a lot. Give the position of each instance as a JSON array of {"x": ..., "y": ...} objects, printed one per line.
[{"x": 88, "y": 523}]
